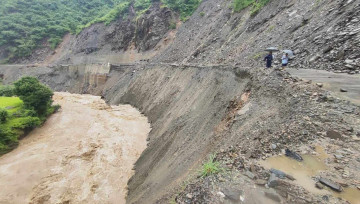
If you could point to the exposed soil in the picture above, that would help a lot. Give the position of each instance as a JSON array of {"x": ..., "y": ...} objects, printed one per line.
[
  {"x": 240, "y": 113},
  {"x": 82, "y": 154}
]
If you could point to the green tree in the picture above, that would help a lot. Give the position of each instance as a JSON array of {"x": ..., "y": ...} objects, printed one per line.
[{"x": 35, "y": 95}]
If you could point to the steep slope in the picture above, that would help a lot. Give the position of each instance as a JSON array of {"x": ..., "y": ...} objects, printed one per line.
[
  {"x": 41, "y": 24},
  {"x": 195, "y": 111},
  {"x": 323, "y": 34},
  {"x": 197, "y": 107},
  {"x": 125, "y": 40}
]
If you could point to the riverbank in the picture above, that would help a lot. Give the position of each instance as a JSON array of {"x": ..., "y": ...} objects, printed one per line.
[{"x": 83, "y": 153}]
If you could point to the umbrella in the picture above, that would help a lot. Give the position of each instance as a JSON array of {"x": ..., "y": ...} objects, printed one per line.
[
  {"x": 290, "y": 53},
  {"x": 272, "y": 49}
]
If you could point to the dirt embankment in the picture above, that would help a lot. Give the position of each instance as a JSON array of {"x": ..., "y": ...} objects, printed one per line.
[
  {"x": 195, "y": 111},
  {"x": 82, "y": 154}
]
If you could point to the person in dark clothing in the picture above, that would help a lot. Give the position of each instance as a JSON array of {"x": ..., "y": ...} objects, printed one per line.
[{"x": 268, "y": 59}]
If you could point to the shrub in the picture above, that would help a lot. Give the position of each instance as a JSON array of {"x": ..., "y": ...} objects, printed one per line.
[
  {"x": 241, "y": 4},
  {"x": 8, "y": 139},
  {"x": 210, "y": 167},
  {"x": 27, "y": 123},
  {"x": 56, "y": 108},
  {"x": 35, "y": 95},
  {"x": 184, "y": 7},
  {"x": 7, "y": 91},
  {"x": 202, "y": 14},
  {"x": 256, "y": 5},
  {"x": 54, "y": 42},
  {"x": 172, "y": 25},
  {"x": 3, "y": 115}
]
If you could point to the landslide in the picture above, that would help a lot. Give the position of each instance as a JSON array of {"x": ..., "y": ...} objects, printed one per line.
[
  {"x": 195, "y": 111},
  {"x": 323, "y": 34},
  {"x": 135, "y": 35},
  {"x": 197, "y": 106}
]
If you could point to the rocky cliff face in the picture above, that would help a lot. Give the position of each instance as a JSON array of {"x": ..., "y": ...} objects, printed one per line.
[
  {"x": 323, "y": 34},
  {"x": 140, "y": 34},
  {"x": 135, "y": 36}
]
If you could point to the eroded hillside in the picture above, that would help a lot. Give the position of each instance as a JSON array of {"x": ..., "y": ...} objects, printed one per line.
[{"x": 204, "y": 93}]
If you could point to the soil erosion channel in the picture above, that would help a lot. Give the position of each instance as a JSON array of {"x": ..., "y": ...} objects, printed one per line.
[{"x": 82, "y": 154}]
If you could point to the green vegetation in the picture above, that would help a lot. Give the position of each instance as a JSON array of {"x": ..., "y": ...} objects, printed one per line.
[
  {"x": 202, "y": 13},
  {"x": 119, "y": 10},
  {"x": 184, "y": 7},
  {"x": 258, "y": 55},
  {"x": 24, "y": 24},
  {"x": 271, "y": 28},
  {"x": 35, "y": 95},
  {"x": 3, "y": 115},
  {"x": 256, "y": 5},
  {"x": 210, "y": 167},
  {"x": 172, "y": 25},
  {"x": 21, "y": 114}
]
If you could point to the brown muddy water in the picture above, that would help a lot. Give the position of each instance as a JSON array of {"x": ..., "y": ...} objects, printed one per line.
[
  {"x": 82, "y": 154},
  {"x": 304, "y": 171}
]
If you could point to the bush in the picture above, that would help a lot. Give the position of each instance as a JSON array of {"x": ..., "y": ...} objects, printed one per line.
[
  {"x": 27, "y": 123},
  {"x": 172, "y": 25},
  {"x": 7, "y": 91},
  {"x": 202, "y": 14},
  {"x": 35, "y": 95},
  {"x": 184, "y": 7},
  {"x": 3, "y": 115},
  {"x": 8, "y": 139}
]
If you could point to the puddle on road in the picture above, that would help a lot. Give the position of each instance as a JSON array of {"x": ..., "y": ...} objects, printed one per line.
[{"x": 303, "y": 171}]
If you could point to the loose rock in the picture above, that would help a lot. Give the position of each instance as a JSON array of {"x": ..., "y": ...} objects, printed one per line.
[{"x": 331, "y": 184}]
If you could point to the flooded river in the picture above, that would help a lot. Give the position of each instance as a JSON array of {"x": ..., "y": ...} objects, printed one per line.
[{"x": 82, "y": 154}]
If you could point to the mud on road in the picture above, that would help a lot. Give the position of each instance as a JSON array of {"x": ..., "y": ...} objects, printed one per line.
[{"x": 82, "y": 154}]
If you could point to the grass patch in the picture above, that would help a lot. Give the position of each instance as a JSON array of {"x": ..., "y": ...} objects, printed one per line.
[
  {"x": 18, "y": 122},
  {"x": 11, "y": 104},
  {"x": 256, "y": 5},
  {"x": 271, "y": 28},
  {"x": 210, "y": 167},
  {"x": 8, "y": 134},
  {"x": 258, "y": 56}
]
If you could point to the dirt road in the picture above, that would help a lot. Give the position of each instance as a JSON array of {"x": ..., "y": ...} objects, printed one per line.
[
  {"x": 333, "y": 82},
  {"x": 82, "y": 154}
]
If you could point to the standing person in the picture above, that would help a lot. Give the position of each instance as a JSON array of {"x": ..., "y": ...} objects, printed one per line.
[
  {"x": 268, "y": 59},
  {"x": 284, "y": 60}
]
